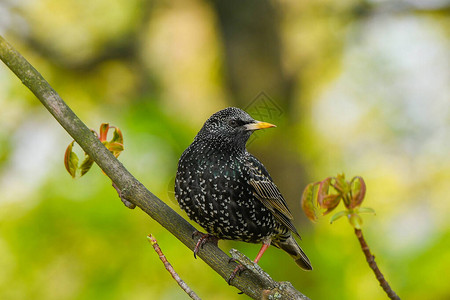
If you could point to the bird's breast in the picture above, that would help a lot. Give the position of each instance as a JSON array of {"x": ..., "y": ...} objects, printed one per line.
[{"x": 214, "y": 190}]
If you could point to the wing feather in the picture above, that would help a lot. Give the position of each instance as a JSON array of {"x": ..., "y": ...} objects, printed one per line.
[{"x": 268, "y": 193}]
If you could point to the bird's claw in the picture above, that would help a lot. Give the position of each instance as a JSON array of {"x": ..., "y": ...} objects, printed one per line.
[
  {"x": 205, "y": 238},
  {"x": 237, "y": 271}
]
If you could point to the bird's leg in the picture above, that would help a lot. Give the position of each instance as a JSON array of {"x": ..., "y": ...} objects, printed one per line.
[
  {"x": 205, "y": 238},
  {"x": 239, "y": 268},
  {"x": 261, "y": 252}
]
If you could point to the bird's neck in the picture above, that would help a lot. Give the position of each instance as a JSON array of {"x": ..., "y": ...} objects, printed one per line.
[{"x": 212, "y": 145}]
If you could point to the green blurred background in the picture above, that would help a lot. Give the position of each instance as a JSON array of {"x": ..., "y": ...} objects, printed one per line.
[{"x": 361, "y": 87}]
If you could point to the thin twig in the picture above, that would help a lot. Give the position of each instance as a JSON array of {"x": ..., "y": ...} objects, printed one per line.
[
  {"x": 170, "y": 269},
  {"x": 373, "y": 265}
]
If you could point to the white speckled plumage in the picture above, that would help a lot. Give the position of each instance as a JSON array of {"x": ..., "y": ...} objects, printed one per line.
[{"x": 228, "y": 191}]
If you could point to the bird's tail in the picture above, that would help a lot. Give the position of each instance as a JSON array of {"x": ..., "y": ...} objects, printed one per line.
[{"x": 293, "y": 249}]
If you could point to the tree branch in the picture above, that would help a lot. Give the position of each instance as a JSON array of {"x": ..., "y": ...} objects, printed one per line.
[
  {"x": 248, "y": 282},
  {"x": 373, "y": 265}
]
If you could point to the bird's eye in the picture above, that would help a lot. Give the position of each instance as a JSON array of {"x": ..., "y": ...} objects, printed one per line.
[{"x": 233, "y": 123}]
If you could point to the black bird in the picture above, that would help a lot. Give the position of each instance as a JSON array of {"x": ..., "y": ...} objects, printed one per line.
[{"x": 229, "y": 192}]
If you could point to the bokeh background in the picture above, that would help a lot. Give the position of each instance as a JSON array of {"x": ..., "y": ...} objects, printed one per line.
[{"x": 361, "y": 87}]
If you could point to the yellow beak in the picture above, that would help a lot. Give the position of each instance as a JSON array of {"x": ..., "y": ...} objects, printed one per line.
[{"x": 258, "y": 125}]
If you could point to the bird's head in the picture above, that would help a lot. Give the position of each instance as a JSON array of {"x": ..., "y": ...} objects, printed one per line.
[{"x": 231, "y": 126}]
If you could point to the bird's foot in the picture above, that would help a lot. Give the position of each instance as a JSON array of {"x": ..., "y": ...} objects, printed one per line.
[
  {"x": 245, "y": 263},
  {"x": 123, "y": 197},
  {"x": 237, "y": 271},
  {"x": 205, "y": 238}
]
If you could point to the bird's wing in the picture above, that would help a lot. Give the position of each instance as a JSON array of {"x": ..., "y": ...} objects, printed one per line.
[{"x": 268, "y": 193}]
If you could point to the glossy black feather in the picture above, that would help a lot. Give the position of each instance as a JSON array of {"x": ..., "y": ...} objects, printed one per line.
[{"x": 228, "y": 191}]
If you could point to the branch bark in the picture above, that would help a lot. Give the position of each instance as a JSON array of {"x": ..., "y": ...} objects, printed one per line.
[{"x": 249, "y": 283}]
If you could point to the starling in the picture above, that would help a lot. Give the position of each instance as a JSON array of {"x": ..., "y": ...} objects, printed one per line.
[{"x": 229, "y": 192}]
